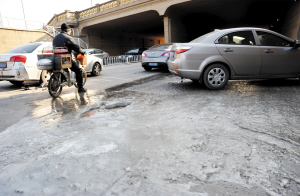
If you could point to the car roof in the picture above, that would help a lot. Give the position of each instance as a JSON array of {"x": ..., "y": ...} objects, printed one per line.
[{"x": 221, "y": 32}]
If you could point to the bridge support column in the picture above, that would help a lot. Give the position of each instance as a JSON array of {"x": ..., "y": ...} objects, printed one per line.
[
  {"x": 167, "y": 29},
  {"x": 291, "y": 27},
  {"x": 174, "y": 29}
]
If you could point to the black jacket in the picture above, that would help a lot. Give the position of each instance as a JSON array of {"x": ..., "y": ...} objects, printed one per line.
[{"x": 65, "y": 40}]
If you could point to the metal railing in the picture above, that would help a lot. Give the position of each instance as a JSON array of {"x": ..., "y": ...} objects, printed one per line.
[
  {"x": 82, "y": 43},
  {"x": 52, "y": 31},
  {"x": 122, "y": 59}
]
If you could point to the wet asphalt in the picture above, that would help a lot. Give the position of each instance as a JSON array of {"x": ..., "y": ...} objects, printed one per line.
[{"x": 158, "y": 135}]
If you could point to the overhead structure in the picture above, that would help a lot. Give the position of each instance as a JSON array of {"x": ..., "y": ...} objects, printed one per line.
[{"x": 119, "y": 25}]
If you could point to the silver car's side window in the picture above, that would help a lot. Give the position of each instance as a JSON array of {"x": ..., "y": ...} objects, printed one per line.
[
  {"x": 268, "y": 39},
  {"x": 240, "y": 38},
  {"x": 98, "y": 51}
]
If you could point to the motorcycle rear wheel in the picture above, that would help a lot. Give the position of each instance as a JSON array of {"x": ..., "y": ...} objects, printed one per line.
[{"x": 54, "y": 86}]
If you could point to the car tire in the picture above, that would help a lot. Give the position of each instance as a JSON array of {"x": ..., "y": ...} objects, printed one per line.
[
  {"x": 96, "y": 69},
  {"x": 148, "y": 68},
  {"x": 215, "y": 76},
  {"x": 17, "y": 83},
  {"x": 45, "y": 77}
]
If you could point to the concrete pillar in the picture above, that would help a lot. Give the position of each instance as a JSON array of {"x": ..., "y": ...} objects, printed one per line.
[
  {"x": 167, "y": 29},
  {"x": 87, "y": 38},
  {"x": 68, "y": 14},
  {"x": 291, "y": 27}
]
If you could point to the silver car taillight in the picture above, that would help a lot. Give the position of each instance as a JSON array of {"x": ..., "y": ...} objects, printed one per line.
[{"x": 182, "y": 49}]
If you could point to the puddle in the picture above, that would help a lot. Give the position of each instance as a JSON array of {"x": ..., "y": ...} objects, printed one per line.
[{"x": 110, "y": 98}]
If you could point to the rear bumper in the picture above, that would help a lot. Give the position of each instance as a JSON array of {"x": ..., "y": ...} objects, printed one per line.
[
  {"x": 159, "y": 65},
  {"x": 183, "y": 71},
  {"x": 160, "y": 61},
  {"x": 155, "y": 59},
  {"x": 14, "y": 75}
]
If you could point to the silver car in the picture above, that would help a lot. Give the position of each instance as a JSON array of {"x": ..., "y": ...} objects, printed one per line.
[
  {"x": 239, "y": 53},
  {"x": 156, "y": 57},
  {"x": 97, "y": 53}
]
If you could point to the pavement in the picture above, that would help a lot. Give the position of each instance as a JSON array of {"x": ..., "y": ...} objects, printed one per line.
[{"x": 158, "y": 136}]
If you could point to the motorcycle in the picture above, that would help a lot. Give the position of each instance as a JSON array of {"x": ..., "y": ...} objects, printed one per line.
[{"x": 63, "y": 76}]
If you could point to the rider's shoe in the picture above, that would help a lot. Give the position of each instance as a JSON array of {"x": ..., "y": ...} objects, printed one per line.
[{"x": 82, "y": 90}]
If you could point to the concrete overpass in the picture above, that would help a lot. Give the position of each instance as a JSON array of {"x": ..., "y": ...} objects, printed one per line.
[{"x": 120, "y": 25}]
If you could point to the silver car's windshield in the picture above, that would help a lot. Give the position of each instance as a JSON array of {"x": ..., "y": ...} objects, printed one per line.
[
  {"x": 162, "y": 47},
  {"x": 26, "y": 48},
  {"x": 199, "y": 39}
]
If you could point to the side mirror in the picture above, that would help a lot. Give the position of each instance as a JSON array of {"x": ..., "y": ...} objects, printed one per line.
[{"x": 296, "y": 43}]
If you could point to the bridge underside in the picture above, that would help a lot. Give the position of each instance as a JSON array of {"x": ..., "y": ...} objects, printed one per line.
[{"x": 187, "y": 21}]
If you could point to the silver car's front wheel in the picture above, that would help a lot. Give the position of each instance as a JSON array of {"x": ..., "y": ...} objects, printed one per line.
[{"x": 216, "y": 76}]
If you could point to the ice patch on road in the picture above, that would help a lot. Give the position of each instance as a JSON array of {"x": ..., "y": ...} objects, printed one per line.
[{"x": 81, "y": 149}]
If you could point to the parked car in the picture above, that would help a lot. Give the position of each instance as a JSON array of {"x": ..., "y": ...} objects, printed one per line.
[
  {"x": 19, "y": 64},
  {"x": 156, "y": 57},
  {"x": 94, "y": 65},
  {"x": 132, "y": 52},
  {"x": 239, "y": 53},
  {"x": 97, "y": 53}
]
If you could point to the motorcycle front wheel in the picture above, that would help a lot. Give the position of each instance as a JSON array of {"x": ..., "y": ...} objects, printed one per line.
[{"x": 54, "y": 86}]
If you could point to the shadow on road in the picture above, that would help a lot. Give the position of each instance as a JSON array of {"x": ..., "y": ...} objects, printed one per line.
[{"x": 7, "y": 86}]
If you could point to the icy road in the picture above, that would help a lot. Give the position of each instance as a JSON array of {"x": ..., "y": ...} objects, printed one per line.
[{"x": 156, "y": 136}]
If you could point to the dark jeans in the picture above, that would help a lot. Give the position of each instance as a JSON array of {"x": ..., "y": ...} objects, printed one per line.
[{"x": 78, "y": 72}]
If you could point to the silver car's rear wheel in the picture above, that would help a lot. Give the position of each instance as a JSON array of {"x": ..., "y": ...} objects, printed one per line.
[{"x": 216, "y": 76}]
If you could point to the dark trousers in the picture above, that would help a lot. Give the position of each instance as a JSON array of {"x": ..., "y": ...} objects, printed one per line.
[{"x": 78, "y": 73}]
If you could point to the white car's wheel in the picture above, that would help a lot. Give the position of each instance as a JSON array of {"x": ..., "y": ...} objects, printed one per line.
[
  {"x": 45, "y": 77},
  {"x": 96, "y": 69}
]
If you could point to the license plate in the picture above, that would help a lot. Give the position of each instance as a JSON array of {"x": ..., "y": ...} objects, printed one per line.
[
  {"x": 3, "y": 65},
  {"x": 152, "y": 64}
]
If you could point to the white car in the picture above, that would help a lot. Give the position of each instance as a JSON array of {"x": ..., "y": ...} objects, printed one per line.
[
  {"x": 19, "y": 64},
  {"x": 94, "y": 65}
]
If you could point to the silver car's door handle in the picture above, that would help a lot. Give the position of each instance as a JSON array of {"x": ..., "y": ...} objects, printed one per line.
[
  {"x": 228, "y": 50},
  {"x": 269, "y": 51}
]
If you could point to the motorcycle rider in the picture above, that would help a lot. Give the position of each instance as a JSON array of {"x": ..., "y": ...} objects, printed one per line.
[{"x": 65, "y": 40}]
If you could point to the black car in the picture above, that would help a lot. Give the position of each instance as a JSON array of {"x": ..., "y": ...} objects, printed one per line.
[{"x": 130, "y": 53}]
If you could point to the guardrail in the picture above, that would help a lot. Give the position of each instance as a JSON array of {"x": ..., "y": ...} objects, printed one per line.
[
  {"x": 122, "y": 59},
  {"x": 52, "y": 31},
  {"x": 82, "y": 43}
]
